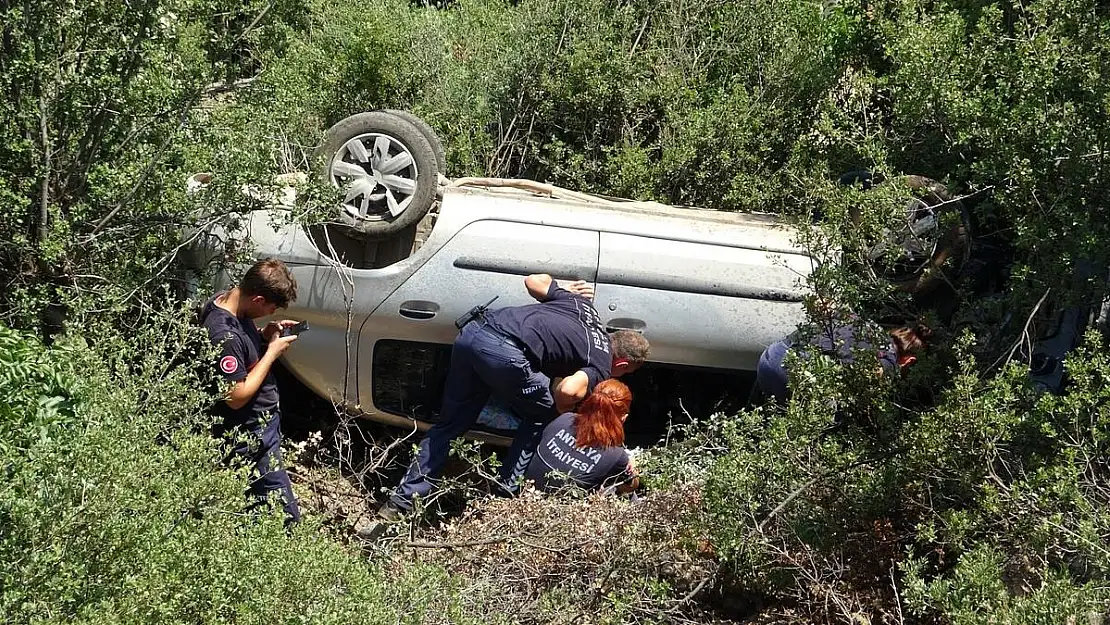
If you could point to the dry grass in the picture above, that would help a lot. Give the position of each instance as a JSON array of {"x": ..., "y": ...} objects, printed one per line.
[
  {"x": 564, "y": 558},
  {"x": 632, "y": 560}
]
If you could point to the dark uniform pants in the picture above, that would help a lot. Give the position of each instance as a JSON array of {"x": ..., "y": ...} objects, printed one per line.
[
  {"x": 483, "y": 363},
  {"x": 257, "y": 443}
]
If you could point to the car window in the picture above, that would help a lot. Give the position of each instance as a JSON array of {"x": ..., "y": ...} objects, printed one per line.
[
  {"x": 665, "y": 398},
  {"x": 409, "y": 377}
]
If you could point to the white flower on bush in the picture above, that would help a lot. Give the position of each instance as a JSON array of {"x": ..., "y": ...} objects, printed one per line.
[{"x": 304, "y": 450}]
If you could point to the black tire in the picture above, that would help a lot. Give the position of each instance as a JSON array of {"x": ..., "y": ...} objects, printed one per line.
[
  {"x": 420, "y": 175},
  {"x": 952, "y": 245},
  {"x": 429, "y": 134}
]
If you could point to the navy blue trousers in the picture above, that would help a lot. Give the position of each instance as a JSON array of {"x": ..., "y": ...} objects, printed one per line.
[
  {"x": 483, "y": 363},
  {"x": 257, "y": 442}
]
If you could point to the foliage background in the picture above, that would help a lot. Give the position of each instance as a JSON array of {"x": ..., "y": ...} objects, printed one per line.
[{"x": 982, "y": 500}]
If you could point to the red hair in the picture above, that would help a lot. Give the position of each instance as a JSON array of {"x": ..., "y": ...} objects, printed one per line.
[{"x": 599, "y": 421}]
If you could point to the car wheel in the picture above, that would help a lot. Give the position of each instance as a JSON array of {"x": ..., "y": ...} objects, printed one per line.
[
  {"x": 934, "y": 237},
  {"x": 387, "y": 168},
  {"x": 429, "y": 134}
]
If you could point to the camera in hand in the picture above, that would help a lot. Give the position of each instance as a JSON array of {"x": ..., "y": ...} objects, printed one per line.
[{"x": 295, "y": 329}]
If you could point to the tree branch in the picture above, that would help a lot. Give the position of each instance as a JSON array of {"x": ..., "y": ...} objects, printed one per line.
[
  {"x": 1024, "y": 331},
  {"x": 217, "y": 88},
  {"x": 421, "y": 544},
  {"x": 44, "y": 199},
  {"x": 185, "y": 108}
]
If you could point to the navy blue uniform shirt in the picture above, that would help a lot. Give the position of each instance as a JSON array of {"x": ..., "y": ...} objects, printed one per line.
[
  {"x": 240, "y": 346},
  {"x": 560, "y": 336},
  {"x": 558, "y": 459},
  {"x": 839, "y": 341}
]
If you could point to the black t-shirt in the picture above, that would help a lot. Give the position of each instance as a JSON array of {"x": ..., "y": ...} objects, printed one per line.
[
  {"x": 240, "y": 346},
  {"x": 561, "y": 335},
  {"x": 558, "y": 461}
]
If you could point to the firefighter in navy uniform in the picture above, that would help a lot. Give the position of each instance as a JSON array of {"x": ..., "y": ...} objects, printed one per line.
[
  {"x": 251, "y": 416},
  {"x": 842, "y": 338},
  {"x": 513, "y": 354}
]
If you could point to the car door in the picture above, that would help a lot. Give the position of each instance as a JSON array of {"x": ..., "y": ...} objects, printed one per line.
[
  {"x": 700, "y": 304},
  {"x": 405, "y": 344},
  {"x": 333, "y": 300}
]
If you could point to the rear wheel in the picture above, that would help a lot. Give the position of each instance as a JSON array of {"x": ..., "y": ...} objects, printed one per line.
[
  {"x": 429, "y": 134},
  {"x": 930, "y": 240},
  {"x": 388, "y": 171}
]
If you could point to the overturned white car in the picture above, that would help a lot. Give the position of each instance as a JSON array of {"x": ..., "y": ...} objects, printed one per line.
[{"x": 411, "y": 251}]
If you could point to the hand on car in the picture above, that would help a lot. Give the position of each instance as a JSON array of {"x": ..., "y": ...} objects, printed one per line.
[
  {"x": 274, "y": 328},
  {"x": 581, "y": 287}
]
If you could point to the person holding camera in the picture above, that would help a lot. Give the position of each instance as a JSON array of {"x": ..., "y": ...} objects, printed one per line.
[
  {"x": 513, "y": 354},
  {"x": 250, "y": 414}
]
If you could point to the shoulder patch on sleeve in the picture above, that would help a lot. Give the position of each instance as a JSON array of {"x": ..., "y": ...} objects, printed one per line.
[{"x": 229, "y": 364}]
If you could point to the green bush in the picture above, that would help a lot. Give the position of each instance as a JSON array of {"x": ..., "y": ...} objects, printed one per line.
[
  {"x": 692, "y": 105},
  {"x": 954, "y": 495},
  {"x": 991, "y": 503},
  {"x": 114, "y": 507}
]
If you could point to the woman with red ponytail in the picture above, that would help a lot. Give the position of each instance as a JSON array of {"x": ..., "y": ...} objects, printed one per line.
[{"x": 586, "y": 448}]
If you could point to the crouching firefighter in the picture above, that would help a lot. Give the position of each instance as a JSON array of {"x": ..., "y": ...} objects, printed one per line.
[
  {"x": 841, "y": 338},
  {"x": 250, "y": 416},
  {"x": 513, "y": 354}
]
